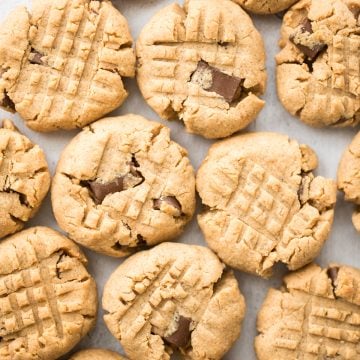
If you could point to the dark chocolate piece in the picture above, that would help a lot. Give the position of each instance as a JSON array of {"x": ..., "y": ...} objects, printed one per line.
[
  {"x": 171, "y": 200},
  {"x": 7, "y": 103},
  {"x": 313, "y": 52},
  {"x": 36, "y": 57},
  {"x": 101, "y": 190},
  {"x": 355, "y": 10},
  {"x": 181, "y": 337},
  {"x": 227, "y": 86},
  {"x": 332, "y": 273}
]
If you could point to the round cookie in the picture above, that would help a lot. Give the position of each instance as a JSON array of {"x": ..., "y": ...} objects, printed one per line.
[
  {"x": 174, "y": 296},
  {"x": 262, "y": 203},
  {"x": 318, "y": 66},
  {"x": 349, "y": 178},
  {"x": 24, "y": 179},
  {"x": 48, "y": 300},
  {"x": 96, "y": 354},
  {"x": 314, "y": 316},
  {"x": 264, "y": 7},
  {"x": 122, "y": 184},
  {"x": 62, "y": 65},
  {"x": 203, "y": 63}
]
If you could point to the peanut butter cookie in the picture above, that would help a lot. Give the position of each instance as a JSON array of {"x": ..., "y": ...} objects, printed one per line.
[
  {"x": 264, "y": 7},
  {"x": 174, "y": 296},
  {"x": 122, "y": 184},
  {"x": 263, "y": 204},
  {"x": 203, "y": 63},
  {"x": 96, "y": 354},
  {"x": 62, "y": 65}
]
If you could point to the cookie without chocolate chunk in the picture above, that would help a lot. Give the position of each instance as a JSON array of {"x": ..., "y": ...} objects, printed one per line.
[
  {"x": 203, "y": 63},
  {"x": 262, "y": 203},
  {"x": 174, "y": 296},
  {"x": 122, "y": 184},
  {"x": 349, "y": 176},
  {"x": 61, "y": 66},
  {"x": 24, "y": 179},
  {"x": 264, "y": 7},
  {"x": 96, "y": 354},
  {"x": 318, "y": 75},
  {"x": 316, "y": 315},
  {"x": 48, "y": 299}
]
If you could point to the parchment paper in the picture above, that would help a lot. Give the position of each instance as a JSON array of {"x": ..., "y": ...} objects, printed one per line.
[{"x": 342, "y": 246}]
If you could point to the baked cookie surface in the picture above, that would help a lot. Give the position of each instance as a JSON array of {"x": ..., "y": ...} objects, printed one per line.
[
  {"x": 349, "y": 176},
  {"x": 264, "y": 7},
  {"x": 24, "y": 179},
  {"x": 48, "y": 300},
  {"x": 62, "y": 64},
  {"x": 262, "y": 203},
  {"x": 122, "y": 184},
  {"x": 96, "y": 354},
  {"x": 203, "y": 63},
  {"x": 316, "y": 315},
  {"x": 169, "y": 297},
  {"x": 318, "y": 66}
]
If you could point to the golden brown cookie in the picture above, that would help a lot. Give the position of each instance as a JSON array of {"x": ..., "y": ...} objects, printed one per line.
[
  {"x": 263, "y": 204},
  {"x": 203, "y": 63},
  {"x": 122, "y": 184},
  {"x": 24, "y": 179},
  {"x": 318, "y": 66},
  {"x": 314, "y": 316},
  {"x": 96, "y": 354},
  {"x": 62, "y": 65},
  {"x": 174, "y": 296},
  {"x": 349, "y": 176},
  {"x": 264, "y": 7},
  {"x": 48, "y": 300}
]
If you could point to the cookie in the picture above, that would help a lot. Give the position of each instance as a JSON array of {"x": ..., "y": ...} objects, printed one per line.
[
  {"x": 349, "y": 178},
  {"x": 122, "y": 184},
  {"x": 264, "y": 7},
  {"x": 318, "y": 66},
  {"x": 203, "y": 63},
  {"x": 263, "y": 204},
  {"x": 96, "y": 354},
  {"x": 316, "y": 315},
  {"x": 62, "y": 65},
  {"x": 174, "y": 296},
  {"x": 48, "y": 300},
  {"x": 24, "y": 179}
]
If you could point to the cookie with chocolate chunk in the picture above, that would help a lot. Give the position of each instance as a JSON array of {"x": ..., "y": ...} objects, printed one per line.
[
  {"x": 349, "y": 177},
  {"x": 24, "y": 179},
  {"x": 203, "y": 63},
  {"x": 62, "y": 64},
  {"x": 264, "y": 7},
  {"x": 174, "y": 297},
  {"x": 262, "y": 203},
  {"x": 318, "y": 73},
  {"x": 315, "y": 315},
  {"x": 96, "y": 354},
  {"x": 122, "y": 184}
]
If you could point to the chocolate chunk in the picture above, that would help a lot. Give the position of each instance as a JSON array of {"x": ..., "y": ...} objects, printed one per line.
[
  {"x": 355, "y": 10},
  {"x": 171, "y": 200},
  {"x": 310, "y": 52},
  {"x": 101, "y": 190},
  {"x": 35, "y": 57},
  {"x": 181, "y": 337},
  {"x": 7, "y": 103},
  {"x": 212, "y": 79},
  {"x": 332, "y": 273}
]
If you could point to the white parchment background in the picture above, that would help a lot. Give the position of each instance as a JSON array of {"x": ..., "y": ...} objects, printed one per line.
[{"x": 344, "y": 243}]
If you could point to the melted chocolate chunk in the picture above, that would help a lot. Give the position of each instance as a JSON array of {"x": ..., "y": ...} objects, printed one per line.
[
  {"x": 7, "y": 103},
  {"x": 181, "y": 337},
  {"x": 35, "y": 57},
  {"x": 332, "y": 273},
  {"x": 101, "y": 190},
  {"x": 212, "y": 79},
  {"x": 355, "y": 10},
  {"x": 171, "y": 200},
  {"x": 311, "y": 53}
]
